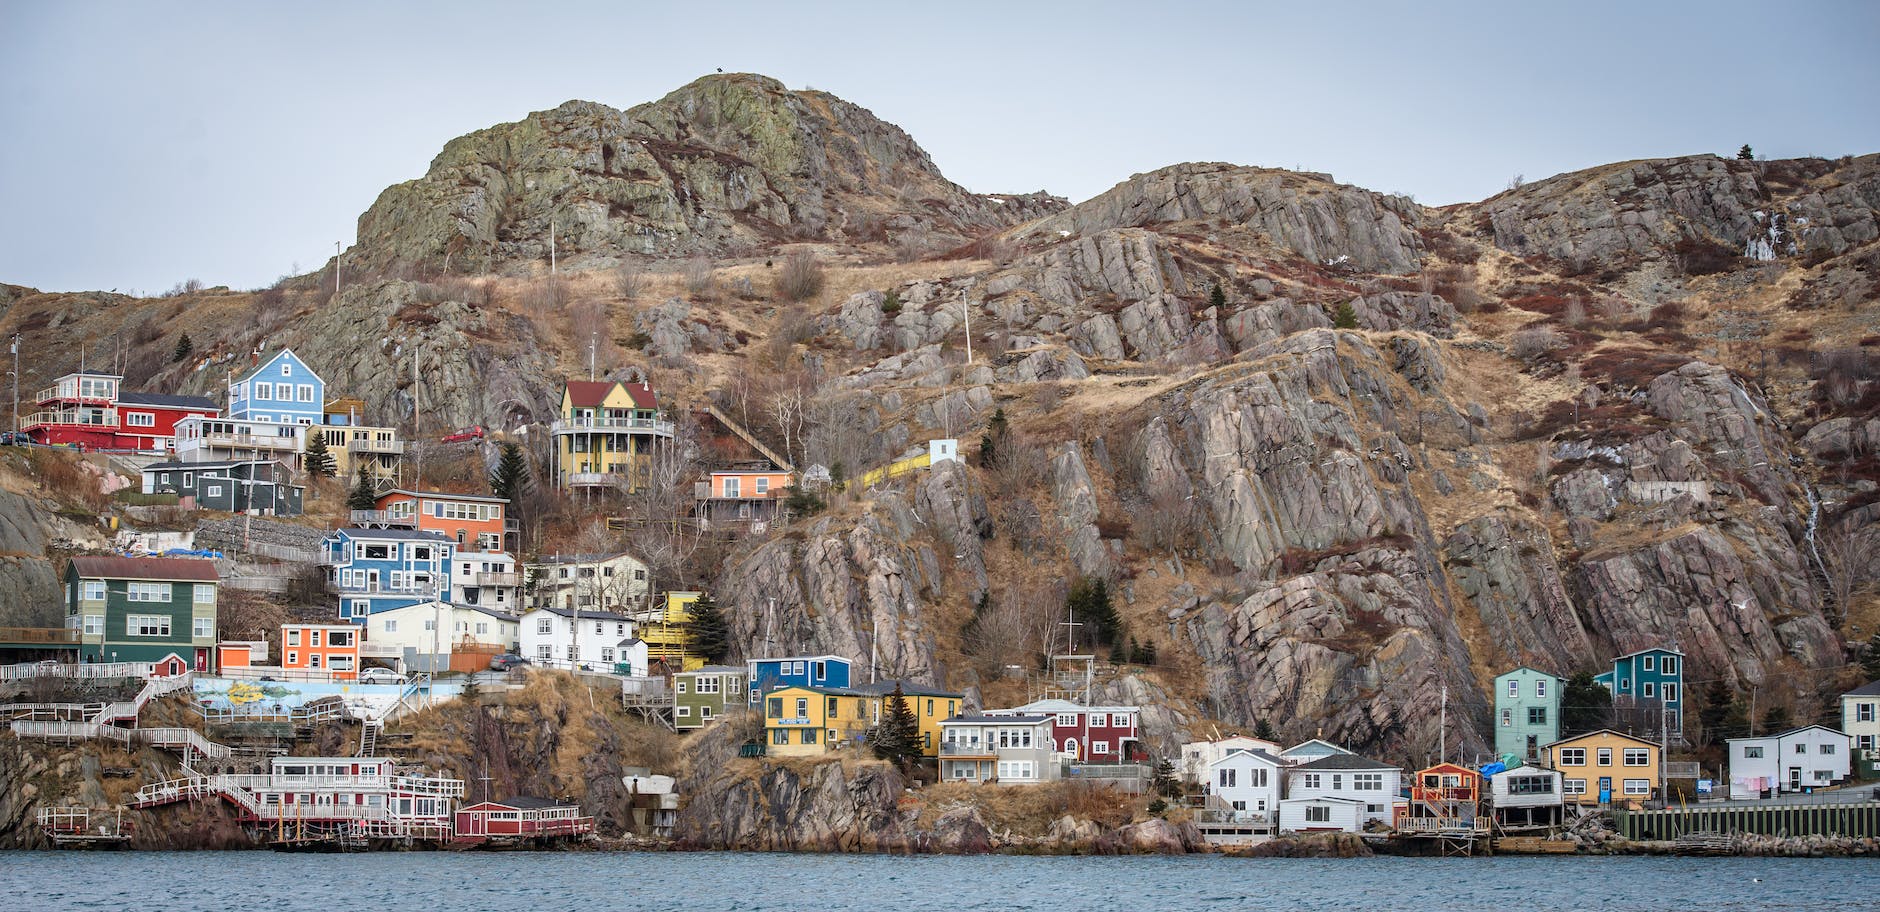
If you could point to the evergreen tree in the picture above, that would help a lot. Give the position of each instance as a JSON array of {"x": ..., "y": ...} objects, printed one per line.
[
  {"x": 1164, "y": 782},
  {"x": 1217, "y": 297},
  {"x": 1584, "y": 705},
  {"x": 1345, "y": 317},
  {"x": 1262, "y": 730},
  {"x": 1089, "y": 600},
  {"x": 989, "y": 442},
  {"x": 183, "y": 347},
  {"x": 1735, "y": 723},
  {"x": 1745, "y": 153},
  {"x": 510, "y": 479},
  {"x": 1717, "y": 701},
  {"x": 1147, "y": 656},
  {"x": 1870, "y": 659},
  {"x": 318, "y": 460},
  {"x": 1775, "y": 720},
  {"x": 1119, "y": 654},
  {"x": 711, "y": 636},
  {"x": 897, "y": 738},
  {"x": 364, "y": 496}
]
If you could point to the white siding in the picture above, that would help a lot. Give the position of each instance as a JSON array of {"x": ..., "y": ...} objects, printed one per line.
[{"x": 1344, "y": 815}]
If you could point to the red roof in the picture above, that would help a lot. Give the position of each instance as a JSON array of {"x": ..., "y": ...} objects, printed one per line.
[
  {"x": 591, "y": 393},
  {"x": 145, "y": 568}
]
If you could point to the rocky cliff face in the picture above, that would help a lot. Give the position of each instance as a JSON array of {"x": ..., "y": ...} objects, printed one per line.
[{"x": 726, "y": 163}]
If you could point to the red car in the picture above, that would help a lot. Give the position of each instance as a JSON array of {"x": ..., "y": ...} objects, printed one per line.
[{"x": 464, "y": 434}]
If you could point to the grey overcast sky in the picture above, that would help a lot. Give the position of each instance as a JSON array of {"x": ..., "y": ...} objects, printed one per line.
[{"x": 143, "y": 143}]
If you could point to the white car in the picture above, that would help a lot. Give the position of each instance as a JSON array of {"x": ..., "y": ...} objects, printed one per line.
[{"x": 380, "y": 676}]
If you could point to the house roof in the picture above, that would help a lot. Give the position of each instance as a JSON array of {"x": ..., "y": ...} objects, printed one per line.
[
  {"x": 165, "y": 400},
  {"x": 586, "y": 614},
  {"x": 1066, "y": 706},
  {"x": 1527, "y": 769},
  {"x": 1255, "y": 753},
  {"x": 1783, "y": 734},
  {"x": 712, "y": 669},
  {"x": 1322, "y": 798},
  {"x": 554, "y": 560},
  {"x": 591, "y": 393},
  {"x": 262, "y": 364},
  {"x": 361, "y": 532},
  {"x": 523, "y": 803},
  {"x": 445, "y": 495},
  {"x": 1318, "y": 741},
  {"x": 1343, "y": 762},
  {"x": 994, "y": 720},
  {"x": 1670, "y": 649},
  {"x": 830, "y": 691},
  {"x": 145, "y": 568},
  {"x": 908, "y": 689},
  {"x": 1603, "y": 731},
  {"x": 173, "y": 465},
  {"x": 835, "y": 658},
  {"x": 630, "y": 641},
  {"x": 1528, "y": 668},
  {"x": 1869, "y": 689}
]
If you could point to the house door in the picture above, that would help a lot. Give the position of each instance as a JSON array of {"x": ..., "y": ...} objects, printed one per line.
[
  {"x": 1795, "y": 778},
  {"x": 1605, "y": 790},
  {"x": 1533, "y": 746},
  {"x": 202, "y": 658}
]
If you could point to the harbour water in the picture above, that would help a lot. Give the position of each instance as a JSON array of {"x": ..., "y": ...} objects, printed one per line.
[{"x": 711, "y": 882}]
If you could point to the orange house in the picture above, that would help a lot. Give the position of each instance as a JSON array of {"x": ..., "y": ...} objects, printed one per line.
[
  {"x": 332, "y": 649},
  {"x": 1446, "y": 784},
  {"x": 476, "y": 522},
  {"x": 743, "y": 496}
]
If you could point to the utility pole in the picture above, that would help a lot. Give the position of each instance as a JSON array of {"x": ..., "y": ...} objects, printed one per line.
[
  {"x": 551, "y": 248},
  {"x": 593, "y": 342},
  {"x": 16, "y": 381},
  {"x": 417, "y": 417},
  {"x": 339, "y": 257},
  {"x": 1442, "y": 729},
  {"x": 966, "y": 311}
]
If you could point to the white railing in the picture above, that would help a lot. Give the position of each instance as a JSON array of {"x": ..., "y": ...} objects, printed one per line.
[
  {"x": 581, "y": 425},
  {"x": 1443, "y": 824},
  {"x": 591, "y": 479},
  {"x": 27, "y": 670},
  {"x": 496, "y": 579},
  {"x": 255, "y": 672},
  {"x": 83, "y": 417},
  {"x": 382, "y": 518},
  {"x": 375, "y": 446}
]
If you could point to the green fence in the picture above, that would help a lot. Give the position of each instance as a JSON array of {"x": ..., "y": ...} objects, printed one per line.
[{"x": 1822, "y": 819}]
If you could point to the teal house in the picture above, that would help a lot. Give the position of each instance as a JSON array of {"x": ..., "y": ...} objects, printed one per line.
[
  {"x": 1527, "y": 712},
  {"x": 143, "y": 609},
  {"x": 1647, "y": 692}
]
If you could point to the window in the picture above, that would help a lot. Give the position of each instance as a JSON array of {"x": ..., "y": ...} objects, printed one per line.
[
  {"x": 149, "y": 592},
  {"x": 1537, "y": 715},
  {"x": 731, "y": 487},
  {"x": 607, "y": 653},
  {"x": 761, "y": 486},
  {"x": 1670, "y": 665},
  {"x": 1514, "y": 689},
  {"x": 287, "y": 370},
  {"x": 313, "y": 638},
  {"x": 293, "y": 659},
  {"x": 483, "y": 627},
  {"x": 1531, "y": 785},
  {"x": 93, "y": 591},
  {"x": 704, "y": 712},
  {"x": 1801, "y": 748},
  {"x": 1827, "y": 749},
  {"x": 1066, "y": 720},
  {"x": 338, "y": 638},
  {"x": 1226, "y": 778},
  {"x": 1625, "y": 685},
  {"x": 802, "y": 707},
  {"x": 708, "y": 684},
  {"x": 313, "y": 660},
  {"x": 94, "y": 625},
  {"x": 293, "y": 638},
  {"x": 1573, "y": 756},
  {"x": 1648, "y": 690},
  {"x": 264, "y": 391},
  {"x": 214, "y": 491},
  {"x": 139, "y": 419},
  {"x": 1752, "y": 752},
  {"x": 391, "y": 626},
  {"x": 1318, "y": 813},
  {"x": 1648, "y": 663},
  {"x": 306, "y": 392},
  {"x": 1311, "y": 781},
  {"x": 544, "y": 625},
  {"x": 1605, "y": 756},
  {"x": 1638, "y": 786},
  {"x": 1573, "y": 786},
  {"x": 773, "y": 707},
  {"x": 683, "y": 712},
  {"x": 1099, "y": 747},
  {"x": 544, "y": 652},
  {"x": 809, "y": 736},
  {"x": 205, "y": 594},
  {"x": 1638, "y": 756},
  {"x": 1368, "y": 782},
  {"x": 780, "y": 736},
  {"x": 1540, "y": 688},
  {"x": 203, "y": 628},
  {"x": 1671, "y": 693},
  {"x": 284, "y": 392}
]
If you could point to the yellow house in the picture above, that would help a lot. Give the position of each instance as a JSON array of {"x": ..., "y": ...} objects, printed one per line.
[
  {"x": 810, "y": 721},
  {"x": 931, "y": 706},
  {"x": 1623, "y": 767},
  {"x": 667, "y": 637},
  {"x": 607, "y": 434}
]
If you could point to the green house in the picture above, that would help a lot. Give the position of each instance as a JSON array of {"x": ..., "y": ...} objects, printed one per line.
[
  {"x": 1527, "y": 712},
  {"x": 143, "y": 609},
  {"x": 702, "y": 695}
]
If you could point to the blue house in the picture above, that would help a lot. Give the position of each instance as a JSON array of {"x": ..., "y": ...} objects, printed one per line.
[
  {"x": 797, "y": 671},
  {"x": 1527, "y": 712},
  {"x": 281, "y": 389},
  {"x": 376, "y": 570},
  {"x": 1647, "y": 692}
]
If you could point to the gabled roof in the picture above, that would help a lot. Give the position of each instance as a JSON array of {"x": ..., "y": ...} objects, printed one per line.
[
  {"x": 1869, "y": 689},
  {"x": 554, "y": 560},
  {"x": 1603, "y": 731},
  {"x": 520, "y": 803},
  {"x": 1255, "y": 753},
  {"x": 1638, "y": 652},
  {"x": 265, "y": 363},
  {"x": 994, "y": 720},
  {"x": 710, "y": 669},
  {"x": 1344, "y": 761},
  {"x": 1066, "y": 706},
  {"x": 1526, "y": 769},
  {"x": 908, "y": 689},
  {"x": 362, "y": 532},
  {"x": 1318, "y": 741},
  {"x": 1528, "y": 668},
  {"x": 1784, "y": 734},
  {"x": 592, "y": 393},
  {"x": 173, "y": 465},
  {"x": 145, "y": 568},
  {"x": 164, "y": 400},
  {"x": 804, "y": 658},
  {"x": 444, "y": 495},
  {"x": 587, "y": 614},
  {"x": 828, "y": 691}
]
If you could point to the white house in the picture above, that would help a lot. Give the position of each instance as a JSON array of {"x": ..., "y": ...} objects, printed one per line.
[
  {"x": 1244, "y": 785},
  {"x": 1007, "y": 750},
  {"x": 1197, "y": 756},
  {"x": 423, "y": 636},
  {"x": 565, "y": 638},
  {"x": 1311, "y": 750},
  {"x": 1376, "y": 787},
  {"x": 591, "y": 582},
  {"x": 1323, "y": 812},
  {"x": 1800, "y": 758},
  {"x": 1860, "y": 717},
  {"x": 1527, "y": 796},
  {"x": 486, "y": 578}
]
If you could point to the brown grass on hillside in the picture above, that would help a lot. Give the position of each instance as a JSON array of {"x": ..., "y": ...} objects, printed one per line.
[{"x": 1029, "y": 810}]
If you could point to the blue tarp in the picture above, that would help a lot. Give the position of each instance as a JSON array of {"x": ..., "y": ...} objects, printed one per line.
[{"x": 1493, "y": 768}]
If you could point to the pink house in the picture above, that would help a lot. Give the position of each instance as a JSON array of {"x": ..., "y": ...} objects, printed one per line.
[{"x": 1088, "y": 734}]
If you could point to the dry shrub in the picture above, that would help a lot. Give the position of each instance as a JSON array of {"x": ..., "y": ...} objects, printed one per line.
[
  {"x": 701, "y": 280},
  {"x": 1168, "y": 522},
  {"x": 1702, "y": 256},
  {"x": 801, "y": 277},
  {"x": 540, "y": 297},
  {"x": 1529, "y": 344},
  {"x": 629, "y": 281},
  {"x": 1000, "y": 634},
  {"x": 1575, "y": 313},
  {"x": 454, "y": 288},
  {"x": 59, "y": 472},
  {"x": 992, "y": 247},
  {"x": 1458, "y": 286}
]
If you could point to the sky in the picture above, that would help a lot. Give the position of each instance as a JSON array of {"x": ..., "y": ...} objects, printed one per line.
[{"x": 145, "y": 143}]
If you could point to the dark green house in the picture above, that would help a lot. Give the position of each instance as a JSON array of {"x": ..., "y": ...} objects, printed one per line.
[
  {"x": 143, "y": 609},
  {"x": 703, "y": 695},
  {"x": 263, "y": 485}
]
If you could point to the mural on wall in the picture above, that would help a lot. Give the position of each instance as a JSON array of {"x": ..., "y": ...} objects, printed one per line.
[{"x": 244, "y": 697}]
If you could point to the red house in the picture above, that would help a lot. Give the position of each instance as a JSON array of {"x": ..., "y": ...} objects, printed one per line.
[
  {"x": 521, "y": 818},
  {"x": 91, "y": 412},
  {"x": 1088, "y": 734}
]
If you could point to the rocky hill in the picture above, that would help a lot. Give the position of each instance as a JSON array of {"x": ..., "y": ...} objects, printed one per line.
[{"x": 1335, "y": 452}]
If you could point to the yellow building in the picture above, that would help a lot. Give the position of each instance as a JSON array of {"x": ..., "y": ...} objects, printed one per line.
[
  {"x": 353, "y": 443},
  {"x": 1623, "y": 767},
  {"x": 607, "y": 434},
  {"x": 810, "y": 721},
  {"x": 668, "y": 638},
  {"x": 931, "y": 706}
]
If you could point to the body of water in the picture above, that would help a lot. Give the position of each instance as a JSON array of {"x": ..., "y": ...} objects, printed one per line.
[{"x": 713, "y": 881}]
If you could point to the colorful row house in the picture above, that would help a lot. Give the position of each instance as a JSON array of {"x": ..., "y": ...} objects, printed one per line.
[
  {"x": 607, "y": 435},
  {"x": 767, "y": 675},
  {"x": 810, "y": 721},
  {"x": 237, "y": 486},
  {"x": 91, "y": 411},
  {"x": 315, "y": 650},
  {"x": 998, "y": 750},
  {"x": 1648, "y": 693},
  {"x": 1527, "y": 712},
  {"x": 143, "y": 609},
  {"x": 706, "y": 694},
  {"x": 1088, "y": 734},
  {"x": 1606, "y": 766},
  {"x": 378, "y": 569}
]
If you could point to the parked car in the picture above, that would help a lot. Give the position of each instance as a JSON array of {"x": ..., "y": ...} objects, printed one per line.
[
  {"x": 14, "y": 438},
  {"x": 461, "y": 435},
  {"x": 380, "y": 676},
  {"x": 506, "y": 661}
]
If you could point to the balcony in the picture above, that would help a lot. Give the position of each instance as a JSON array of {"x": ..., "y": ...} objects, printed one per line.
[
  {"x": 389, "y": 447},
  {"x": 249, "y": 442},
  {"x": 966, "y": 749},
  {"x": 596, "y": 479},
  {"x": 38, "y": 636},
  {"x": 70, "y": 393},
  {"x": 383, "y": 518},
  {"x": 702, "y": 490},
  {"x": 653, "y": 426},
  {"x": 496, "y": 579},
  {"x": 84, "y": 417}
]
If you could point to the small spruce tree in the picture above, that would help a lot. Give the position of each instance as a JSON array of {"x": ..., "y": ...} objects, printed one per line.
[
  {"x": 1165, "y": 783},
  {"x": 1584, "y": 705},
  {"x": 711, "y": 636},
  {"x": 1262, "y": 730},
  {"x": 1345, "y": 317},
  {"x": 318, "y": 460},
  {"x": 364, "y": 496},
  {"x": 1870, "y": 659},
  {"x": 1745, "y": 153},
  {"x": 1217, "y": 297},
  {"x": 1717, "y": 701},
  {"x": 510, "y": 479},
  {"x": 897, "y": 738},
  {"x": 989, "y": 442},
  {"x": 183, "y": 347},
  {"x": 1775, "y": 719}
]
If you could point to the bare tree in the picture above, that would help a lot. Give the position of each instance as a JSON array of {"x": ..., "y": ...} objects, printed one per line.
[
  {"x": 700, "y": 278},
  {"x": 801, "y": 277},
  {"x": 1002, "y": 633},
  {"x": 659, "y": 497},
  {"x": 629, "y": 280},
  {"x": 1853, "y": 559},
  {"x": 1168, "y": 522}
]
